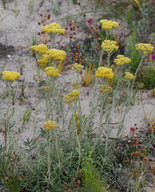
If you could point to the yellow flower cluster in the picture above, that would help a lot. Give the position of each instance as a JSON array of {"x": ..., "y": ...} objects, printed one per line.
[
  {"x": 53, "y": 28},
  {"x": 109, "y": 46},
  {"x": 48, "y": 53},
  {"x": 108, "y": 24},
  {"x": 41, "y": 48},
  {"x": 46, "y": 88},
  {"x": 51, "y": 71},
  {"x": 105, "y": 88},
  {"x": 121, "y": 60},
  {"x": 10, "y": 75},
  {"x": 104, "y": 72},
  {"x": 75, "y": 85},
  {"x": 57, "y": 54},
  {"x": 77, "y": 67},
  {"x": 44, "y": 59},
  {"x": 129, "y": 76},
  {"x": 74, "y": 95},
  {"x": 50, "y": 125},
  {"x": 146, "y": 48}
]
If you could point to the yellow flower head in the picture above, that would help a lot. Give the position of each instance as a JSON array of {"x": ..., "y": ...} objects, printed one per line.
[
  {"x": 77, "y": 67},
  {"x": 146, "y": 48},
  {"x": 44, "y": 59},
  {"x": 46, "y": 88},
  {"x": 50, "y": 125},
  {"x": 53, "y": 28},
  {"x": 105, "y": 88},
  {"x": 51, "y": 71},
  {"x": 75, "y": 85},
  {"x": 74, "y": 95},
  {"x": 121, "y": 60},
  {"x": 109, "y": 46},
  {"x": 57, "y": 54},
  {"x": 104, "y": 72},
  {"x": 10, "y": 75},
  {"x": 108, "y": 24},
  {"x": 41, "y": 48},
  {"x": 129, "y": 76}
]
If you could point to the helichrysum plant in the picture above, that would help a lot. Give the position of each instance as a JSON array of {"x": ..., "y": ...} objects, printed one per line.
[
  {"x": 108, "y": 24},
  {"x": 109, "y": 46},
  {"x": 73, "y": 96},
  {"x": 145, "y": 48},
  {"x": 10, "y": 77},
  {"x": 53, "y": 28},
  {"x": 129, "y": 75},
  {"x": 41, "y": 48},
  {"x": 104, "y": 72},
  {"x": 121, "y": 60}
]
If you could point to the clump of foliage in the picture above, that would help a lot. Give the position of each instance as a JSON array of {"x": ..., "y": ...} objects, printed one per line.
[{"x": 147, "y": 77}]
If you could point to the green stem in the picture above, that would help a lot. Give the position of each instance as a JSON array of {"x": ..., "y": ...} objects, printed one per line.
[
  {"x": 36, "y": 103},
  {"x": 7, "y": 127},
  {"x": 49, "y": 158},
  {"x": 108, "y": 60},
  {"x": 130, "y": 90},
  {"x": 99, "y": 65},
  {"x": 53, "y": 97}
]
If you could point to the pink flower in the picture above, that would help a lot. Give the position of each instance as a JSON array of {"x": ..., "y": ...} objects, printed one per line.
[
  {"x": 89, "y": 21},
  {"x": 153, "y": 3},
  {"x": 153, "y": 56}
]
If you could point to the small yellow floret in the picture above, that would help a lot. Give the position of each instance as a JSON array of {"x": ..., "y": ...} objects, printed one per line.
[
  {"x": 50, "y": 125},
  {"x": 77, "y": 67},
  {"x": 129, "y": 75},
  {"x": 121, "y": 60},
  {"x": 53, "y": 28},
  {"x": 104, "y": 72},
  {"x": 74, "y": 95},
  {"x": 41, "y": 48},
  {"x": 109, "y": 46},
  {"x": 108, "y": 24},
  {"x": 57, "y": 54},
  {"x": 146, "y": 48},
  {"x": 51, "y": 71},
  {"x": 10, "y": 75}
]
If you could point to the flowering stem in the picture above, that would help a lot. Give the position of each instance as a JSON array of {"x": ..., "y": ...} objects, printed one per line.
[
  {"x": 130, "y": 89},
  {"x": 107, "y": 34},
  {"x": 52, "y": 37},
  {"x": 77, "y": 78},
  {"x": 53, "y": 96},
  {"x": 99, "y": 65},
  {"x": 49, "y": 159},
  {"x": 108, "y": 60},
  {"x": 7, "y": 128},
  {"x": 36, "y": 104}
]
